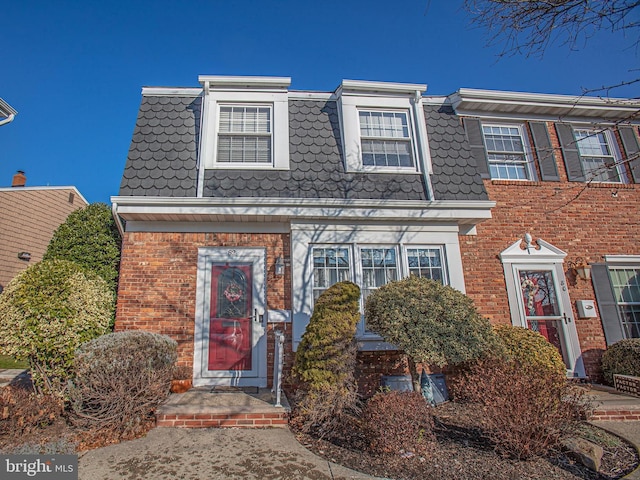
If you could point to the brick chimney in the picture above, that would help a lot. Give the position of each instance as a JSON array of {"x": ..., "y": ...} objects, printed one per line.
[{"x": 19, "y": 179}]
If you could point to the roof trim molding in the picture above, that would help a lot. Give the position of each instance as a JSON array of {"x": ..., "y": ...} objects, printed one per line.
[
  {"x": 221, "y": 82},
  {"x": 359, "y": 87},
  {"x": 171, "y": 92},
  {"x": 286, "y": 209},
  {"x": 469, "y": 101}
]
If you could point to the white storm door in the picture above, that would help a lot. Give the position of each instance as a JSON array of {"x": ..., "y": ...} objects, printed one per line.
[{"x": 544, "y": 306}]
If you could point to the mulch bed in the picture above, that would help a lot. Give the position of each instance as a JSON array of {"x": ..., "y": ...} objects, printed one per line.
[{"x": 463, "y": 453}]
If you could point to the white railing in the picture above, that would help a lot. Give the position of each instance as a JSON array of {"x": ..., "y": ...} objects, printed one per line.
[{"x": 278, "y": 363}]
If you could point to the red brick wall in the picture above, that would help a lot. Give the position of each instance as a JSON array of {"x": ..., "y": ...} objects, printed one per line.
[
  {"x": 157, "y": 287},
  {"x": 584, "y": 220}
]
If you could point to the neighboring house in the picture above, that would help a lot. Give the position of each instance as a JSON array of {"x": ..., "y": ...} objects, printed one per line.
[
  {"x": 28, "y": 218},
  {"x": 244, "y": 201}
]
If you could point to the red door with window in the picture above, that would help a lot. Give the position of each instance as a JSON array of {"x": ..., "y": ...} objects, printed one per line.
[{"x": 230, "y": 317}]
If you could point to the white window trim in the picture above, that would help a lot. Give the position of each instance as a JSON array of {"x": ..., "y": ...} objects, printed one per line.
[
  {"x": 305, "y": 236},
  {"x": 528, "y": 153},
  {"x": 278, "y": 101},
  {"x": 350, "y": 105},
  {"x": 612, "y": 143}
]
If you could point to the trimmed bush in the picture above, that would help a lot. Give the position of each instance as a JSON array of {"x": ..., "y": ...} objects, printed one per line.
[
  {"x": 325, "y": 360},
  {"x": 89, "y": 237},
  {"x": 432, "y": 323},
  {"x": 622, "y": 358},
  {"x": 525, "y": 412},
  {"x": 47, "y": 312},
  {"x": 530, "y": 349},
  {"x": 397, "y": 422},
  {"x": 120, "y": 379}
]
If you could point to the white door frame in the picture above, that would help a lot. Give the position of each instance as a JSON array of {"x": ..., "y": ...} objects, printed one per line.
[
  {"x": 257, "y": 376},
  {"x": 544, "y": 256}
]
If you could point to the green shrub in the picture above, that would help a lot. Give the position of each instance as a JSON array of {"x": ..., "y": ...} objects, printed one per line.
[
  {"x": 396, "y": 422},
  {"x": 120, "y": 379},
  {"x": 326, "y": 358},
  {"x": 89, "y": 237},
  {"x": 525, "y": 412},
  {"x": 432, "y": 323},
  {"x": 622, "y": 358},
  {"x": 530, "y": 349},
  {"x": 47, "y": 312}
]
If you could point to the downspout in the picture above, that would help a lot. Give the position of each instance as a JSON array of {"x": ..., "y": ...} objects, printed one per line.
[
  {"x": 9, "y": 119},
  {"x": 423, "y": 149},
  {"x": 116, "y": 217}
]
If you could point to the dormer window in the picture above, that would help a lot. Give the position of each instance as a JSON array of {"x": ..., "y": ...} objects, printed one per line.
[
  {"x": 385, "y": 139},
  {"x": 245, "y": 123},
  {"x": 383, "y": 127},
  {"x": 244, "y": 134}
]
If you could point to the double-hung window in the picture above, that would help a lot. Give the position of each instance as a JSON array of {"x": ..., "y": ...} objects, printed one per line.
[
  {"x": 244, "y": 134},
  {"x": 506, "y": 152},
  {"x": 374, "y": 266},
  {"x": 385, "y": 139},
  {"x": 625, "y": 282},
  {"x": 596, "y": 155}
]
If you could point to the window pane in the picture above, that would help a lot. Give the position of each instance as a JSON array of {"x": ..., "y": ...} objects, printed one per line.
[
  {"x": 425, "y": 263},
  {"x": 244, "y": 134},
  {"x": 330, "y": 266},
  {"x": 597, "y": 159},
  {"x": 385, "y": 139},
  {"x": 539, "y": 293},
  {"x": 505, "y": 152}
]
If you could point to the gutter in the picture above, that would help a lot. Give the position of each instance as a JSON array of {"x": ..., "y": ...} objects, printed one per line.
[
  {"x": 7, "y": 110},
  {"x": 9, "y": 119},
  {"x": 116, "y": 217}
]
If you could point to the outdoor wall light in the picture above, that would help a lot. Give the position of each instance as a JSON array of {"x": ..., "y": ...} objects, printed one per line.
[
  {"x": 280, "y": 266},
  {"x": 24, "y": 256},
  {"x": 580, "y": 268}
]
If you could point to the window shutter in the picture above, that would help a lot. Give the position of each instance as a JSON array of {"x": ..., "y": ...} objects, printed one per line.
[
  {"x": 474, "y": 135},
  {"x": 570, "y": 153},
  {"x": 631, "y": 147},
  {"x": 606, "y": 304},
  {"x": 544, "y": 152}
]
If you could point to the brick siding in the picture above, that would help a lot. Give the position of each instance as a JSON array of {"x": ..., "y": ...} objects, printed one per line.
[
  {"x": 157, "y": 287},
  {"x": 584, "y": 220}
]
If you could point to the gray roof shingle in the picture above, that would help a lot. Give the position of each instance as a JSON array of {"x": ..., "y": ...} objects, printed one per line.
[
  {"x": 455, "y": 175},
  {"x": 163, "y": 153},
  {"x": 162, "y": 159},
  {"x": 316, "y": 166}
]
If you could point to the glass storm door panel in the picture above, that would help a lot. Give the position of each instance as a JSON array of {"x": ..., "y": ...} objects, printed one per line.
[
  {"x": 230, "y": 318},
  {"x": 543, "y": 308},
  {"x": 230, "y": 344}
]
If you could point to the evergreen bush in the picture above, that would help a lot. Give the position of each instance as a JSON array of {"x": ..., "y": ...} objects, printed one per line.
[
  {"x": 622, "y": 358},
  {"x": 326, "y": 358},
  {"x": 89, "y": 237},
  {"x": 530, "y": 349},
  {"x": 432, "y": 323},
  {"x": 47, "y": 312},
  {"x": 120, "y": 378}
]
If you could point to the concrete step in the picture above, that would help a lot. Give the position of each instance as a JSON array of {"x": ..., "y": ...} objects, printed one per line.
[{"x": 205, "y": 408}]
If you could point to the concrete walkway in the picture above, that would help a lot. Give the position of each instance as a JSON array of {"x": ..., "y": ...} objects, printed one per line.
[{"x": 211, "y": 453}]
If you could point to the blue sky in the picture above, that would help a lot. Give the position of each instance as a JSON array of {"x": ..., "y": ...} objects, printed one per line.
[{"x": 74, "y": 69}]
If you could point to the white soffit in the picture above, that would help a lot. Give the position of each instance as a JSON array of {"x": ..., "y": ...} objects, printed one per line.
[{"x": 468, "y": 101}]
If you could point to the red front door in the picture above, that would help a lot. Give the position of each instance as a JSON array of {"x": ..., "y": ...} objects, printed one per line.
[{"x": 230, "y": 317}]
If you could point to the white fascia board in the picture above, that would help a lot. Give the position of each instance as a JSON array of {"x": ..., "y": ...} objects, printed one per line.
[
  {"x": 6, "y": 109},
  {"x": 233, "y": 83},
  {"x": 170, "y": 92},
  {"x": 358, "y": 87},
  {"x": 467, "y": 100},
  {"x": 302, "y": 95},
  {"x": 378, "y": 210}
]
